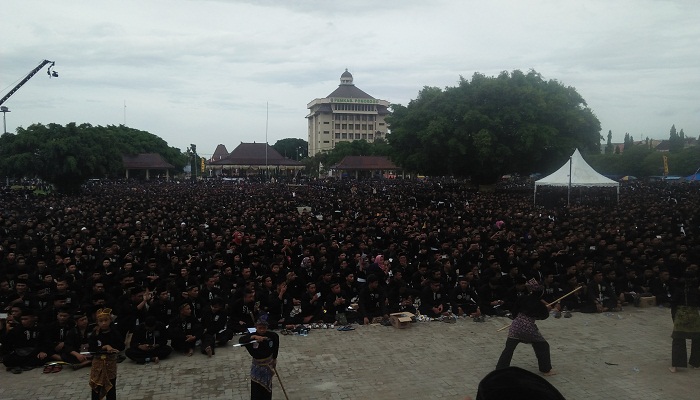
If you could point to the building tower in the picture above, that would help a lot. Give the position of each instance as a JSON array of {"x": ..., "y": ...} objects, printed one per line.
[{"x": 345, "y": 115}]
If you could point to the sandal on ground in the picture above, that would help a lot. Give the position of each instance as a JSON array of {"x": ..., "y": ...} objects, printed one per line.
[
  {"x": 16, "y": 370},
  {"x": 48, "y": 369},
  {"x": 346, "y": 328},
  {"x": 56, "y": 368}
]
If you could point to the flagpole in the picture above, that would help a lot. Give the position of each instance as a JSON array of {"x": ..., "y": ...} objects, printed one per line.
[{"x": 267, "y": 114}]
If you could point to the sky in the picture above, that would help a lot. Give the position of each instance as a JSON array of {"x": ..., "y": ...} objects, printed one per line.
[{"x": 210, "y": 72}]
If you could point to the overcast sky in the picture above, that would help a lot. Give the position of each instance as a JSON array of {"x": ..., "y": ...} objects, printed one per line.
[{"x": 205, "y": 72}]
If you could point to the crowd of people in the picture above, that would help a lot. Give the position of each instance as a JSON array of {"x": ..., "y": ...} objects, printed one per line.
[{"x": 183, "y": 266}]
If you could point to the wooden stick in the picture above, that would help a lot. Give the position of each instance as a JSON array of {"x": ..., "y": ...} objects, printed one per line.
[
  {"x": 564, "y": 296},
  {"x": 550, "y": 304},
  {"x": 280, "y": 380}
]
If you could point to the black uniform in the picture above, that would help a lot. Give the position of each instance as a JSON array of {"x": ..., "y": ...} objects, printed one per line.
[
  {"x": 264, "y": 361},
  {"x": 155, "y": 337}
]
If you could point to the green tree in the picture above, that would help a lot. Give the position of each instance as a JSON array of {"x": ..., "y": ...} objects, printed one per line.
[
  {"x": 675, "y": 141},
  {"x": 292, "y": 148},
  {"x": 609, "y": 145},
  {"x": 67, "y": 156},
  {"x": 488, "y": 126}
]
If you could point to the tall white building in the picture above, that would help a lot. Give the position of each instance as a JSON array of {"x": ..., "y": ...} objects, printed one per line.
[{"x": 345, "y": 115}]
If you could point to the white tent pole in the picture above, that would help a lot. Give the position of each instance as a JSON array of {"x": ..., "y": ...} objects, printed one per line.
[
  {"x": 568, "y": 197},
  {"x": 534, "y": 197}
]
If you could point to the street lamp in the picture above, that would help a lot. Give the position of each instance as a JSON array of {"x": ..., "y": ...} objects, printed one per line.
[
  {"x": 298, "y": 153},
  {"x": 4, "y": 111}
]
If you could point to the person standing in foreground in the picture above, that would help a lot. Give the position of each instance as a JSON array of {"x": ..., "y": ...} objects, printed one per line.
[
  {"x": 524, "y": 330},
  {"x": 264, "y": 352},
  {"x": 686, "y": 321},
  {"x": 106, "y": 343}
]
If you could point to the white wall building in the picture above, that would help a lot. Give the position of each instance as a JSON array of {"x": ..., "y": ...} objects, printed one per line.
[{"x": 345, "y": 115}]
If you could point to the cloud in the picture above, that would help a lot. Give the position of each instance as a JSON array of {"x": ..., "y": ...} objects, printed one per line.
[{"x": 210, "y": 70}]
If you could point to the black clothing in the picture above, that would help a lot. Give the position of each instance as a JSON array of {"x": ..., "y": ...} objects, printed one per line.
[
  {"x": 156, "y": 339},
  {"x": 178, "y": 330}
]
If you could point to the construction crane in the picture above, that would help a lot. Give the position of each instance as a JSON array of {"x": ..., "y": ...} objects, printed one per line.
[{"x": 49, "y": 71}]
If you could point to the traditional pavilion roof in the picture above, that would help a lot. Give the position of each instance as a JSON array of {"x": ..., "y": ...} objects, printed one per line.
[
  {"x": 219, "y": 153},
  {"x": 365, "y": 163},
  {"x": 145, "y": 161},
  {"x": 253, "y": 154}
]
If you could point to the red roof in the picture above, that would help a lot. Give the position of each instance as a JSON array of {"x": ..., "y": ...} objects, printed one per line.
[
  {"x": 145, "y": 161},
  {"x": 255, "y": 154},
  {"x": 219, "y": 153},
  {"x": 366, "y": 163}
]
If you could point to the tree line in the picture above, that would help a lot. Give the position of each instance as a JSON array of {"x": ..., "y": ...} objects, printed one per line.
[
  {"x": 67, "y": 156},
  {"x": 482, "y": 128}
]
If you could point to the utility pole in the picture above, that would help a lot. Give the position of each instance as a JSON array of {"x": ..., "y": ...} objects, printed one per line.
[{"x": 4, "y": 110}]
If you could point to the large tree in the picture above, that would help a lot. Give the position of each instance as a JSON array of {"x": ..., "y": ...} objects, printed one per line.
[
  {"x": 67, "y": 156},
  {"x": 292, "y": 148},
  {"x": 489, "y": 126}
]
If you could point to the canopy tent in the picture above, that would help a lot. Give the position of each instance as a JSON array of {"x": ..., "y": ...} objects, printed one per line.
[
  {"x": 576, "y": 173},
  {"x": 695, "y": 177}
]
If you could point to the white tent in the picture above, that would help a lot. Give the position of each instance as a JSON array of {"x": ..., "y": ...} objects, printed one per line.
[{"x": 576, "y": 173}]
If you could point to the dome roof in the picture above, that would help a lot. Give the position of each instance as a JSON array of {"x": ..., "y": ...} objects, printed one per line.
[{"x": 346, "y": 78}]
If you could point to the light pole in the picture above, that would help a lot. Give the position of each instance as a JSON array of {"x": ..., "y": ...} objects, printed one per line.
[{"x": 4, "y": 110}]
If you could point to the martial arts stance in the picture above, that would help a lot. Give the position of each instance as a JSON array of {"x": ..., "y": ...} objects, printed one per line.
[
  {"x": 106, "y": 342},
  {"x": 264, "y": 351},
  {"x": 686, "y": 321},
  {"x": 524, "y": 330}
]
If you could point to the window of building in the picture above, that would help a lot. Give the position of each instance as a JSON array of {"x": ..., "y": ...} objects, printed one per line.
[
  {"x": 364, "y": 118},
  {"x": 364, "y": 127},
  {"x": 381, "y": 124},
  {"x": 326, "y": 141},
  {"x": 344, "y": 135},
  {"x": 326, "y": 132},
  {"x": 370, "y": 127},
  {"x": 326, "y": 122},
  {"x": 345, "y": 117},
  {"x": 357, "y": 136},
  {"x": 337, "y": 135},
  {"x": 371, "y": 136},
  {"x": 357, "y": 127},
  {"x": 344, "y": 126},
  {"x": 370, "y": 117},
  {"x": 364, "y": 136}
]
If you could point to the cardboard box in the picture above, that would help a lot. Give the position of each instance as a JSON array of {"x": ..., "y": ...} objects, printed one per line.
[
  {"x": 401, "y": 320},
  {"x": 647, "y": 301}
]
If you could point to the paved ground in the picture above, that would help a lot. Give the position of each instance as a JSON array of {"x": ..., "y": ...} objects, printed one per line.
[{"x": 615, "y": 356}]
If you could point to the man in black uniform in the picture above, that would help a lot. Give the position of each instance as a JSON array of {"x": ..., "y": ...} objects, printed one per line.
[
  {"x": 263, "y": 346},
  {"x": 149, "y": 342},
  {"x": 464, "y": 299},
  {"x": 372, "y": 301}
]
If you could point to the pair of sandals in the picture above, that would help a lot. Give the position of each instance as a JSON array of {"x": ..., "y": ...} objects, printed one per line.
[
  {"x": 346, "y": 328},
  {"x": 52, "y": 368}
]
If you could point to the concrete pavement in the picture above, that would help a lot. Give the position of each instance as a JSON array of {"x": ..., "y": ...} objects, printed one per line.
[{"x": 603, "y": 356}]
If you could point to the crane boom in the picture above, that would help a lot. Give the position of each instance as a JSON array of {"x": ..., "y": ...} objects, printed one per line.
[{"x": 29, "y": 76}]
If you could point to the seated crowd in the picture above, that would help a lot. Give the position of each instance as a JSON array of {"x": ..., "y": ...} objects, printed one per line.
[{"x": 185, "y": 266}]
